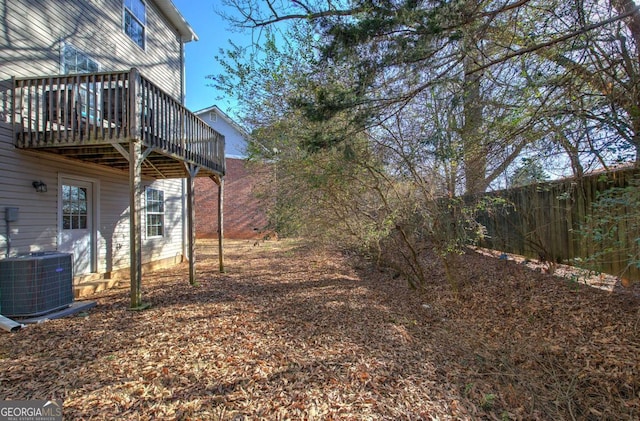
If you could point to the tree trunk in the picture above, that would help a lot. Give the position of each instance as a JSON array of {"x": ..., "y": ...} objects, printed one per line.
[
  {"x": 633, "y": 24},
  {"x": 475, "y": 156}
]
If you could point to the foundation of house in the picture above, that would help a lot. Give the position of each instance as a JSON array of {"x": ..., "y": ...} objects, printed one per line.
[{"x": 87, "y": 285}]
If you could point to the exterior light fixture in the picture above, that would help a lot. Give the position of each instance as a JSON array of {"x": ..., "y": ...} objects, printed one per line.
[{"x": 39, "y": 186}]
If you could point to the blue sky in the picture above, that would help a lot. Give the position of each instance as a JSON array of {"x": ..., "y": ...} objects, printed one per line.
[{"x": 213, "y": 33}]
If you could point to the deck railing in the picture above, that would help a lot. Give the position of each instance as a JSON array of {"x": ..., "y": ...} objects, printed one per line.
[{"x": 110, "y": 107}]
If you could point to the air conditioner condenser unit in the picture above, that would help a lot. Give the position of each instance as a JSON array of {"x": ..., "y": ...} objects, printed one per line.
[{"x": 35, "y": 284}]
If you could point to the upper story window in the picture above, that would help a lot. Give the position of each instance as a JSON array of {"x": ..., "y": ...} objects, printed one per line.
[
  {"x": 135, "y": 20},
  {"x": 76, "y": 61}
]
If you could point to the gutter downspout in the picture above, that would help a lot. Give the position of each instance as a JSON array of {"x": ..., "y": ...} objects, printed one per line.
[{"x": 9, "y": 325}]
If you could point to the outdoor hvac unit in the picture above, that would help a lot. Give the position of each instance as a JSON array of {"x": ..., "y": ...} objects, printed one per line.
[{"x": 35, "y": 284}]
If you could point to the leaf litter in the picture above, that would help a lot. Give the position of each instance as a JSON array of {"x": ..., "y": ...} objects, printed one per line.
[{"x": 290, "y": 332}]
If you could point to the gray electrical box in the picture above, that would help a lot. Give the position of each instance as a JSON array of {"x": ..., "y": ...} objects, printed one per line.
[{"x": 10, "y": 214}]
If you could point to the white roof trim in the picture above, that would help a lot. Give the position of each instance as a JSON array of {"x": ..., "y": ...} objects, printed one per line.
[
  {"x": 225, "y": 117},
  {"x": 173, "y": 14}
]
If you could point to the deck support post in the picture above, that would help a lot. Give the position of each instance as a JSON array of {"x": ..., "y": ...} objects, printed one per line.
[
  {"x": 220, "y": 182},
  {"x": 14, "y": 124},
  {"x": 135, "y": 191},
  {"x": 192, "y": 170},
  {"x": 221, "y": 224},
  {"x": 135, "y": 223}
]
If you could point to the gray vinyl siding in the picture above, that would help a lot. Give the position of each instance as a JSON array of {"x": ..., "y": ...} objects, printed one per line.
[
  {"x": 33, "y": 31},
  {"x": 30, "y": 40},
  {"x": 37, "y": 225},
  {"x": 155, "y": 248},
  {"x": 35, "y": 229}
]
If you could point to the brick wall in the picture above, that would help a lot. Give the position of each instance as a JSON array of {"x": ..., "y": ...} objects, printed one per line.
[{"x": 244, "y": 217}]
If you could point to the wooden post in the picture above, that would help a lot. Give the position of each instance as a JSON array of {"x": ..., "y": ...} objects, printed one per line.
[
  {"x": 191, "y": 227},
  {"x": 135, "y": 247},
  {"x": 219, "y": 180},
  {"x": 135, "y": 193},
  {"x": 14, "y": 112},
  {"x": 221, "y": 224}
]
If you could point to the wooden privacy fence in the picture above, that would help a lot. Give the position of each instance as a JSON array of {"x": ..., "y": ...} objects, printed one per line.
[{"x": 550, "y": 221}]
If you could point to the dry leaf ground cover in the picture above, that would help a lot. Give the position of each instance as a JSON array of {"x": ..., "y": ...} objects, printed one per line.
[{"x": 290, "y": 333}]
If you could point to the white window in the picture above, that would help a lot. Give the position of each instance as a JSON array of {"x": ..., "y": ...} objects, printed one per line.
[
  {"x": 155, "y": 212},
  {"x": 213, "y": 116},
  {"x": 135, "y": 20},
  {"x": 76, "y": 61}
]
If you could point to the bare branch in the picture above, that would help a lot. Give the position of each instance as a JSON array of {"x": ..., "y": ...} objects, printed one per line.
[
  {"x": 505, "y": 8},
  {"x": 307, "y": 16},
  {"x": 554, "y": 41}
]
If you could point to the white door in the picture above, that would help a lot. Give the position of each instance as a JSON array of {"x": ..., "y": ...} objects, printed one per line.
[{"x": 76, "y": 223}]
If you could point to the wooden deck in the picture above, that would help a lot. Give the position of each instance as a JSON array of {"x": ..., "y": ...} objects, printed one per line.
[
  {"x": 120, "y": 120},
  {"x": 95, "y": 118}
]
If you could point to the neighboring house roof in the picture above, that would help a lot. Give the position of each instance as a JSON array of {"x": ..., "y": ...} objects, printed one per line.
[
  {"x": 225, "y": 117},
  {"x": 171, "y": 12}
]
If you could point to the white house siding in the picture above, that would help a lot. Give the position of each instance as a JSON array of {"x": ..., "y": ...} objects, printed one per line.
[
  {"x": 32, "y": 34},
  {"x": 30, "y": 41},
  {"x": 156, "y": 248},
  {"x": 235, "y": 143},
  {"x": 114, "y": 226},
  {"x": 36, "y": 229}
]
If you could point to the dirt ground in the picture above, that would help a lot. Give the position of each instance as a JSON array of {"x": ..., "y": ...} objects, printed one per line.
[{"x": 292, "y": 333}]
